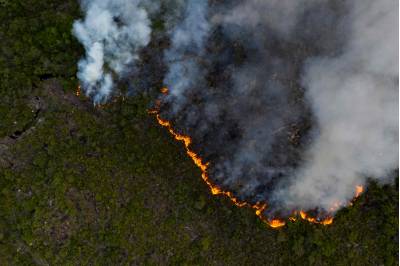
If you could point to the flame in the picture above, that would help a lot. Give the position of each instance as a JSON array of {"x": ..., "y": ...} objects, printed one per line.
[
  {"x": 314, "y": 220},
  {"x": 335, "y": 206},
  {"x": 359, "y": 190},
  {"x": 215, "y": 190},
  {"x": 276, "y": 223},
  {"x": 164, "y": 90},
  {"x": 78, "y": 90},
  {"x": 327, "y": 221}
]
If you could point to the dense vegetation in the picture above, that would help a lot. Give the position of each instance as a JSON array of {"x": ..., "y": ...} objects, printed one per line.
[{"x": 81, "y": 185}]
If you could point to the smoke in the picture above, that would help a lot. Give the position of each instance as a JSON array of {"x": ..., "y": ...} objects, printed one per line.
[
  {"x": 279, "y": 15},
  {"x": 187, "y": 46},
  {"x": 112, "y": 34},
  {"x": 292, "y": 103},
  {"x": 355, "y": 99}
]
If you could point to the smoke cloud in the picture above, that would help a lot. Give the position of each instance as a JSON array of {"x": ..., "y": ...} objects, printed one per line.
[
  {"x": 355, "y": 98},
  {"x": 307, "y": 109},
  {"x": 292, "y": 103},
  {"x": 112, "y": 34},
  {"x": 187, "y": 46}
]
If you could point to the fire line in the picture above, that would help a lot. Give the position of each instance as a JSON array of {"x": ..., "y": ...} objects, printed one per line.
[
  {"x": 259, "y": 207},
  {"x": 216, "y": 190}
]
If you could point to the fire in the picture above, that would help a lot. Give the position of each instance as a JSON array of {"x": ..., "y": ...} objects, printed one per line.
[
  {"x": 164, "y": 90},
  {"x": 78, "y": 91},
  {"x": 215, "y": 190},
  {"x": 335, "y": 206},
  {"x": 325, "y": 221},
  {"x": 359, "y": 190},
  {"x": 275, "y": 223}
]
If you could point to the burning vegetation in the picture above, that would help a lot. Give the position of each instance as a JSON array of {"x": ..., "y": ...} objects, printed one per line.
[
  {"x": 83, "y": 185},
  {"x": 215, "y": 190},
  {"x": 274, "y": 111},
  {"x": 259, "y": 207}
]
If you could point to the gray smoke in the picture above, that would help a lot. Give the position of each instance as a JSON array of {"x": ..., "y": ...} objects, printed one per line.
[
  {"x": 187, "y": 46},
  {"x": 355, "y": 98},
  {"x": 292, "y": 103},
  {"x": 112, "y": 33},
  {"x": 306, "y": 114},
  {"x": 280, "y": 15}
]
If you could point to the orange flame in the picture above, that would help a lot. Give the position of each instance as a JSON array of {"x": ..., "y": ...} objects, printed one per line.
[
  {"x": 276, "y": 223},
  {"x": 215, "y": 190},
  {"x": 325, "y": 221},
  {"x": 78, "y": 91},
  {"x": 359, "y": 190},
  {"x": 335, "y": 206},
  {"x": 164, "y": 90}
]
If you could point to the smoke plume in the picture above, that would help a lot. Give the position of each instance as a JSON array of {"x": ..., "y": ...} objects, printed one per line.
[
  {"x": 187, "y": 46},
  {"x": 112, "y": 34},
  {"x": 354, "y": 97},
  {"x": 292, "y": 103}
]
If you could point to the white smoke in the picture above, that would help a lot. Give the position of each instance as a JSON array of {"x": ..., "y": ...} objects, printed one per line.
[
  {"x": 279, "y": 15},
  {"x": 112, "y": 33},
  {"x": 355, "y": 99},
  {"x": 187, "y": 45}
]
